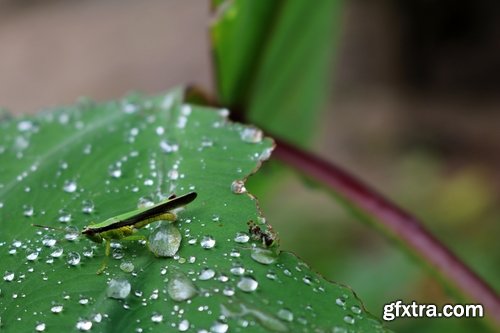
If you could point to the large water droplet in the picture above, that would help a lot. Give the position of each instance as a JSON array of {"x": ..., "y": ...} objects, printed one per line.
[
  {"x": 70, "y": 186},
  {"x": 157, "y": 318},
  {"x": 118, "y": 288},
  {"x": 32, "y": 256},
  {"x": 73, "y": 258},
  {"x": 40, "y": 327},
  {"x": 263, "y": 256},
  {"x": 183, "y": 325},
  {"x": 84, "y": 325},
  {"x": 165, "y": 240},
  {"x": 8, "y": 276},
  {"x": 207, "y": 242},
  {"x": 219, "y": 327},
  {"x": 247, "y": 284},
  {"x": 127, "y": 266},
  {"x": 251, "y": 135},
  {"x": 206, "y": 274},
  {"x": 57, "y": 308},
  {"x": 241, "y": 237},
  {"x": 180, "y": 288},
  {"x": 238, "y": 187}
]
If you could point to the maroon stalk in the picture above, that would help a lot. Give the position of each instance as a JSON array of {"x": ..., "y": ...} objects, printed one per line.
[{"x": 400, "y": 224}]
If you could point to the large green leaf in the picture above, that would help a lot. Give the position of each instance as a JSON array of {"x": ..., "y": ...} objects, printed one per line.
[
  {"x": 272, "y": 60},
  {"x": 75, "y": 165}
]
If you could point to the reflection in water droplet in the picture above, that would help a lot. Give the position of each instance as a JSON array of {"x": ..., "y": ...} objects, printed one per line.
[
  {"x": 340, "y": 301},
  {"x": 57, "y": 308},
  {"x": 70, "y": 186},
  {"x": 127, "y": 266},
  {"x": 285, "y": 314},
  {"x": 118, "y": 288},
  {"x": 57, "y": 252},
  {"x": 183, "y": 325},
  {"x": 49, "y": 241},
  {"x": 349, "y": 319},
  {"x": 87, "y": 207},
  {"x": 180, "y": 288},
  {"x": 263, "y": 256},
  {"x": 157, "y": 318},
  {"x": 219, "y": 327},
  {"x": 241, "y": 237},
  {"x": 28, "y": 211},
  {"x": 73, "y": 258},
  {"x": 40, "y": 327},
  {"x": 206, "y": 274},
  {"x": 356, "y": 309},
  {"x": 207, "y": 242},
  {"x": 165, "y": 240},
  {"x": 247, "y": 284},
  {"x": 251, "y": 135},
  {"x": 32, "y": 256},
  {"x": 84, "y": 325},
  {"x": 8, "y": 276},
  {"x": 72, "y": 233},
  {"x": 238, "y": 187}
]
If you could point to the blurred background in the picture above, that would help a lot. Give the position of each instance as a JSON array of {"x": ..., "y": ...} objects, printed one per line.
[{"x": 412, "y": 110}]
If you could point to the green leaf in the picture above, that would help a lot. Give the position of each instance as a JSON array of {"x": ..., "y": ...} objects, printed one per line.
[
  {"x": 75, "y": 165},
  {"x": 273, "y": 58}
]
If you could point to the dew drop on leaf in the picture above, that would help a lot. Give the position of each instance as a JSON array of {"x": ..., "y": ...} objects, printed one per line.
[
  {"x": 263, "y": 256},
  {"x": 180, "y": 288},
  {"x": 207, "y": 242},
  {"x": 251, "y": 135},
  {"x": 165, "y": 240},
  {"x": 247, "y": 284},
  {"x": 84, "y": 325},
  {"x": 118, "y": 288},
  {"x": 73, "y": 258},
  {"x": 40, "y": 327},
  {"x": 238, "y": 187},
  {"x": 70, "y": 186},
  {"x": 206, "y": 274}
]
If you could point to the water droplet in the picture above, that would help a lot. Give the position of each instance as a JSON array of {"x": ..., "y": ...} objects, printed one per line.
[
  {"x": 263, "y": 256},
  {"x": 285, "y": 314},
  {"x": 241, "y": 237},
  {"x": 228, "y": 291},
  {"x": 70, "y": 186},
  {"x": 115, "y": 170},
  {"x": 87, "y": 207},
  {"x": 71, "y": 234},
  {"x": 160, "y": 130},
  {"x": 165, "y": 240},
  {"x": 183, "y": 325},
  {"x": 57, "y": 308},
  {"x": 207, "y": 242},
  {"x": 8, "y": 276},
  {"x": 145, "y": 202},
  {"x": 247, "y": 284},
  {"x": 118, "y": 288},
  {"x": 349, "y": 319},
  {"x": 180, "y": 288},
  {"x": 84, "y": 325},
  {"x": 57, "y": 252},
  {"x": 64, "y": 216},
  {"x": 73, "y": 258},
  {"x": 219, "y": 327},
  {"x": 157, "y": 318},
  {"x": 237, "y": 270},
  {"x": 168, "y": 147},
  {"x": 356, "y": 309},
  {"x": 25, "y": 125},
  {"x": 206, "y": 274},
  {"x": 32, "y": 256},
  {"x": 40, "y": 327},
  {"x": 251, "y": 135},
  {"x": 238, "y": 187},
  {"x": 173, "y": 174},
  {"x": 127, "y": 266},
  {"x": 49, "y": 241},
  {"x": 28, "y": 211},
  {"x": 340, "y": 301}
]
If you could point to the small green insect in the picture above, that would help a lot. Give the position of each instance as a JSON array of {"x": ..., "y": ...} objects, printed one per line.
[{"x": 124, "y": 226}]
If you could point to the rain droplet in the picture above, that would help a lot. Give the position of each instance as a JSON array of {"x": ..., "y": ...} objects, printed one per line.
[
  {"x": 168, "y": 147},
  {"x": 356, "y": 309},
  {"x": 349, "y": 319},
  {"x": 57, "y": 252},
  {"x": 84, "y": 325},
  {"x": 165, "y": 240},
  {"x": 49, "y": 242},
  {"x": 87, "y": 207},
  {"x": 115, "y": 171},
  {"x": 57, "y": 308},
  {"x": 263, "y": 256},
  {"x": 73, "y": 258},
  {"x": 340, "y": 301},
  {"x": 40, "y": 327},
  {"x": 72, "y": 233},
  {"x": 64, "y": 216},
  {"x": 285, "y": 314},
  {"x": 118, "y": 288},
  {"x": 8, "y": 276},
  {"x": 219, "y": 327},
  {"x": 173, "y": 174},
  {"x": 157, "y": 318},
  {"x": 32, "y": 256},
  {"x": 207, "y": 242},
  {"x": 70, "y": 186},
  {"x": 28, "y": 211},
  {"x": 238, "y": 187},
  {"x": 180, "y": 288},
  {"x": 251, "y": 135},
  {"x": 127, "y": 266},
  {"x": 237, "y": 270},
  {"x": 206, "y": 274},
  {"x": 183, "y": 325},
  {"x": 247, "y": 284},
  {"x": 241, "y": 237}
]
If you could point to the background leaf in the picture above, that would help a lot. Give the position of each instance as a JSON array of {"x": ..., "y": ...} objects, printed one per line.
[{"x": 75, "y": 165}]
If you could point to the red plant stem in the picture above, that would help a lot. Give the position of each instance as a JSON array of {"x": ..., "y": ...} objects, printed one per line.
[{"x": 400, "y": 224}]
